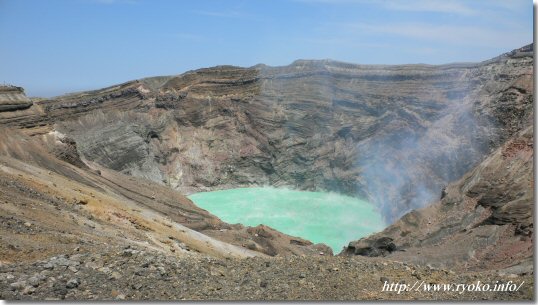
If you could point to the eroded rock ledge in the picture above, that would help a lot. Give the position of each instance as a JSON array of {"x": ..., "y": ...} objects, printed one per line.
[{"x": 13, "y": 98}]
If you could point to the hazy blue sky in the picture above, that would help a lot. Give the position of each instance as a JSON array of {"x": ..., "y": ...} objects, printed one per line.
[{"x": 53, "y": 47}]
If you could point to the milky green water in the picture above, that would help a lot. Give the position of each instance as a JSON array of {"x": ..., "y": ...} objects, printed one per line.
[{"x": 320, "y": 217}]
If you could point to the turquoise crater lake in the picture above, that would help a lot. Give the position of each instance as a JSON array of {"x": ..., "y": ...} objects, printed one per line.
[{"x": 320, "y": 217}]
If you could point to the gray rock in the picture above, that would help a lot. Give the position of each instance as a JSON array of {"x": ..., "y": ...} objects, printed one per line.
[
  {"x": 104, "y": 270},
  {"x": 140, "y": 272},
  {"x": 72, "y": 269},
  {"x": 162, "y": 271},
  {"x": 28, "y": 290},
  {"x": 18, "y": 285},
  {"x": 62, "y": 261},
  {"x": 73, "y": 283},
  {"x": 129, "y": 252},
  {"x": 79, "y": 258},
  {"x": 34, "y": 281},
  {"x": 8, "y": 276},
  {"x": 115, "y": 275}
]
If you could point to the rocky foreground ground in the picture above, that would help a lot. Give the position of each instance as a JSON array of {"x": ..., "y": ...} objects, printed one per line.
[{"x": 137, "y": 274}]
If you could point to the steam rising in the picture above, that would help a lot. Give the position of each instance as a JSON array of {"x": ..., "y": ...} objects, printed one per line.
[
  {"x": 407, "y": 169},
  {"x": 410, "y": 131}
]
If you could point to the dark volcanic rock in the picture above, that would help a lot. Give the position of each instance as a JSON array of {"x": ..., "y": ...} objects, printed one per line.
[{"x": 377, "y": 247}]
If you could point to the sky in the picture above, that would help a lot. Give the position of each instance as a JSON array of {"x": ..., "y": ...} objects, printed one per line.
[{"x": 59, "y": 46}]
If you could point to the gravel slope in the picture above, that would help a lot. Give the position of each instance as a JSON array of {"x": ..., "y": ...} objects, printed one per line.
[{"x": 138, "y": 274}]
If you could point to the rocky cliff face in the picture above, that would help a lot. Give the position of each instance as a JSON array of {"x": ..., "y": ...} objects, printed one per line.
[
  {"x": 396, "y": 135},
  {"x": 393, "y": 134},
  {"x": 484, "y": 220}
]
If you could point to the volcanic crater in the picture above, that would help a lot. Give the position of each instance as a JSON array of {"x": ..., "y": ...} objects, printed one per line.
[{"x": 444, "y": 153}]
